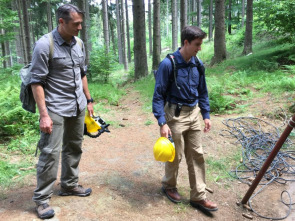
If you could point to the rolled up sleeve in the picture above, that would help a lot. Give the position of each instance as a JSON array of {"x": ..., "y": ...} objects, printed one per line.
[{"x": 40, "y": 59}]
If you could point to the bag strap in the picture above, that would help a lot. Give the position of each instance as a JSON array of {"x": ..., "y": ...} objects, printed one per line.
[
  {"x": 79, "y": 42},
  {"x": 51, "y": 45},
  {"x": 171, "y": 58}
]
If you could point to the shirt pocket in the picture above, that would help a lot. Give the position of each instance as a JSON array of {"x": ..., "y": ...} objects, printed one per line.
[
  {"x": 58, "y": 61},
  {"x": 194, "y": 75}
]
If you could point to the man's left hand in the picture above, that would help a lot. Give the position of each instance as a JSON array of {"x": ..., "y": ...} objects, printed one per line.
[
  {"x": 90, "y": 109},
  {"x": 207, "y": 125}
]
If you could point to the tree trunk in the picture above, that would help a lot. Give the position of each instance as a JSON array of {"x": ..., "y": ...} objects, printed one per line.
[
  {"x": 120, "y": 50},
  {"x": 125, "y": 62},
  {"x": 194, "y": 9},
  {"x": 199, "y": 20},
  {"x": 105, "y": 21},
  {"x": 156, "y": 36},
  {"x": 112, "y": 30},
  {"x": 8, "y": 54},
  {"x": 150, "y": 27},
  {"x": 18, "y": 45},
  {"x": 183, "y": 14},
  {"x": 174, "y": 25},
  {"x": 127, "y": 28},
  {"x": 83, "y": 33},
  {"x": 249, "y": 27},
  {"x": 49, "y": 16},
  {"x": 88, "y": 27},
  {"x": 26, "y": 31},
  {"x": 219, "y": 34},
  {"x": 210, "y": 20},
  {"x": 229, "y": 17},
  {"x": 3, "y": 51},
  {"x": 243, "y": 13},
  {"x": 140, "y": 56}
]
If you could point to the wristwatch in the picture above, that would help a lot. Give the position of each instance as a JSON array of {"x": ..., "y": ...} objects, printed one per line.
[
  {"x": 89, "y": 100},
  {"x": 162, "y": 124}
]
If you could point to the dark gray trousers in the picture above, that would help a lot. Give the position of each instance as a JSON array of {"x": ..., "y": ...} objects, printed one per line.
[{"x": 67, "y": 132}]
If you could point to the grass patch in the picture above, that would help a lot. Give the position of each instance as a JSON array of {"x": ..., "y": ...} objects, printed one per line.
[{"x": 12, "y": 173}]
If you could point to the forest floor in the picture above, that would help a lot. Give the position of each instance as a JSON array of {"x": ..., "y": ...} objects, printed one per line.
[{"x": 126, "y": 180}]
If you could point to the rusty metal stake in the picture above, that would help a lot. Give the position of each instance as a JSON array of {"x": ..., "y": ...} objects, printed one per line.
[{"x": 272, "y": 155}]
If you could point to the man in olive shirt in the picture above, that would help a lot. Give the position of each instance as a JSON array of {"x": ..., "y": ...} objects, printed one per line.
[{"x": 60, "y": 89}]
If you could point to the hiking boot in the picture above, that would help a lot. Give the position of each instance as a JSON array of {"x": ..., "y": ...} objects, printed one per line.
[
  {"x": 44, "y": 211},
  {"x": 172, "y": 195},
  {"x": 204, "y": 205},
  {"x": 76, "y": 191}
]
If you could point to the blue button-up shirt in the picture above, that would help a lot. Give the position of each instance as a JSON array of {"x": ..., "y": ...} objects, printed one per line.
[
  {"x": 193, "y": 88},
  {"x": 61, "y": 75}
]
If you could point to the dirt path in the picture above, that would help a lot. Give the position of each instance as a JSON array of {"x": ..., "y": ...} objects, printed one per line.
[{"x": 126, "y": 180}]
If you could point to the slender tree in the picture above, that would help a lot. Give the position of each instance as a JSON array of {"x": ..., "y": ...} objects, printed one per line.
[
  {"x": 150, "y": 27},
  {"x": 210, "y": 20},
  {"x": 174, "y": 25},
  {"x": 219, "y": 34},
  {"x": 128, "y": 34},
  {"x": 156, "y": 35},
  {"x": 120, "y": 49},
  {"x": 140, "y": 56},
  {"x": 105, "y": 21},
  {"x": 229, "y": 16},
  {"x": 194, "y": 9},
  {"x": 199, "y": 18},
  {"x": 26, "y": 31},
  {"x": 84, "y": 31},
  {"x": 243, "y": 13},
  {"x": 183, "y": 14},
  {"x": 249, "y": 27},
  {"x": 125, "y": 62},
  {"x": 49, "y": 16}
]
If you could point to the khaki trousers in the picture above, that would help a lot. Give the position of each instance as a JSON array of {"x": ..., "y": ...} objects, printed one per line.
[
  {"x": 67, "y": 132},
  {"x": 186, "y": 134}
]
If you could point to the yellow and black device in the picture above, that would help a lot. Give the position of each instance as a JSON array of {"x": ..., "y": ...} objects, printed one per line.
[{"x": 95, "y": 126}]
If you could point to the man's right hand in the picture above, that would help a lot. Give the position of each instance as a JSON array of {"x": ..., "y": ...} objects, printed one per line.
[
  {"x": 46, "y": 124},
  {"x": 165, "y": 131}
]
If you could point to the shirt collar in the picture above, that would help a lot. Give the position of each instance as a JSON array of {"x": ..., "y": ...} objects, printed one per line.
[
  {"x": 60, "y": 40},
  {"x": 180, "y": 59}
]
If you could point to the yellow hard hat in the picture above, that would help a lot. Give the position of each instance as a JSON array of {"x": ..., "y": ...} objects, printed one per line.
[{"x": 164, "y": 150}]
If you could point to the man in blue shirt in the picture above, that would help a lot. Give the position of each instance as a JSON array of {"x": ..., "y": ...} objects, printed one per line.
[{"x": 176, "y": 105}]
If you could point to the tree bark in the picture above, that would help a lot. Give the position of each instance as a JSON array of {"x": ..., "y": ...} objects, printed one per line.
[
  {"x": 120, "y": 50},
  {"x": 156, "y": 36},
  {"x": 174, "y": 25},
  {"x": 199, "y": 19},
  {"x": 194, "y": 9},
  {"x": 183, "y": 14},
  {"x": 105, "y": 21},
  {"x": 26, "y": 32},
  {"x": 83, "y": 33},
  {"x": 125, "y": 62},
  {"x": 150, "y": 27},
  {"x": 249, "y": 27},
  {"x": 210, "y": 20},
  {"x": 140, "y": 56},
  {"x": 219, "y": 34},
  {"x": 127, "y": 28},
  {"x": 229, "y": 17},
  {"x": 8, "y": 54},
  {"x": 243, "y": 13},
  {"x": 49, "y": 16}
]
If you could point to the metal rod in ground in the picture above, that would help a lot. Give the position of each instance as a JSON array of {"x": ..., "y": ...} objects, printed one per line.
[{"x": 270, "y": 158}]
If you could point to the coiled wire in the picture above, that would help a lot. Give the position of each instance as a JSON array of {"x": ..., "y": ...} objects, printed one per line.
[{"x": 258, "y": 138}]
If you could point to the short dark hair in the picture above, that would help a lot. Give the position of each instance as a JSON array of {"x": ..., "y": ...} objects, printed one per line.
[
  {"x": 191, "y": 33},
  {"x": 65, "y": 10}
]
